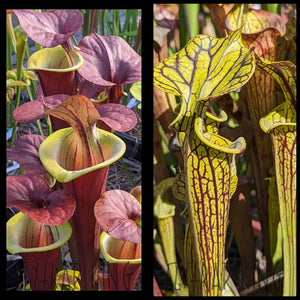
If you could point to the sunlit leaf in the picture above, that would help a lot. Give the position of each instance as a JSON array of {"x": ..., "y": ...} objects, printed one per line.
[
  {"x": 30, "y": 75},
  {"x": 136, "y": 192},
  {"x": 118, "y": 251},
  {"x": 206, "y": 67},
  {"x": 11, "y": 74},
  {"x": 71, "y": 152},
  {"x": 68, "y": 280},
  {"x": 193, "y": 274},
  {"x": 261, "y": 31},
  {"x": 136, "y": 90},
  {"x": 79, "y": 157},
  {"x": 220, "y": 66},
  {"x": 253, "y": 20},
  {"x": 13, "y": 83},
  {"x": 284, "y": 72},
  {"x": 284, "y": 145},
  {"x": 210, "y": 185},
  {"x": 124, "y": 260},
  {"x": 81, "y": 148},
  {"x": 55, "y": 60}
]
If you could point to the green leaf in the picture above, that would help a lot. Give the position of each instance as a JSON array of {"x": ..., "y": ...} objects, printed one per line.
[
  {"x": 162, "y": 208},
  {"x": 164, "y": 212},
  {"x": 206, "y": 67},
  {"x": 10, "y": 83},
  {"x": 68, "y": 280},
  {"x": 136, "y": 90},
  {"x": 220, "y": 65}
]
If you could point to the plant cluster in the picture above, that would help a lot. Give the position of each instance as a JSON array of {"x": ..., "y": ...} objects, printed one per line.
[
  {"x": 224, "y": 127},
  {"x": 60, "y": 194}
]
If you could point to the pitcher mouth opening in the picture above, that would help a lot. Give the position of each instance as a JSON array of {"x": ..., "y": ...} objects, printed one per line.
[
  {"x": 56, "y": 235},
  {"x": 112, "y": 147},
  {"x": 68, "y": 62},
  {"x": 111, "y": 250}
]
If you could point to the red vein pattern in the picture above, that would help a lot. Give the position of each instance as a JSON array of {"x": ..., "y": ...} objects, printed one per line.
[
  {"x": 281, "y": 123},
  {"x": 284, "y": 143},
  {"x": 205, "y": 68}
]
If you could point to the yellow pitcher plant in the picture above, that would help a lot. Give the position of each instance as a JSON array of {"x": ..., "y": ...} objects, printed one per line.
[
  {"x": 207, "y": 67},
  {"x": 281, "y": 124}
]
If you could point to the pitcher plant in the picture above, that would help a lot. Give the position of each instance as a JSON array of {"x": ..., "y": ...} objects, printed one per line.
[
  {"x": 205, "y": 76},
  {"x": 65, "y": 173}
]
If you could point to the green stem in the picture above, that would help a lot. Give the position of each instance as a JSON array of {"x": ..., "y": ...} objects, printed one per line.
[
  {"x": 184, "y": 38},
  {"x": 271, "y": 7},
  {"x": 192, "y": 11},
  {"x": 116, "y": 21},
  {"x": 15, "y": 123},
  {"x": 10, "y": 31},
  {"x": 8, "y": 52},
  {"x": 11, "y": 42},
  {"x": 127, "y": 172},
  {"x": 48, "y": 121}
]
